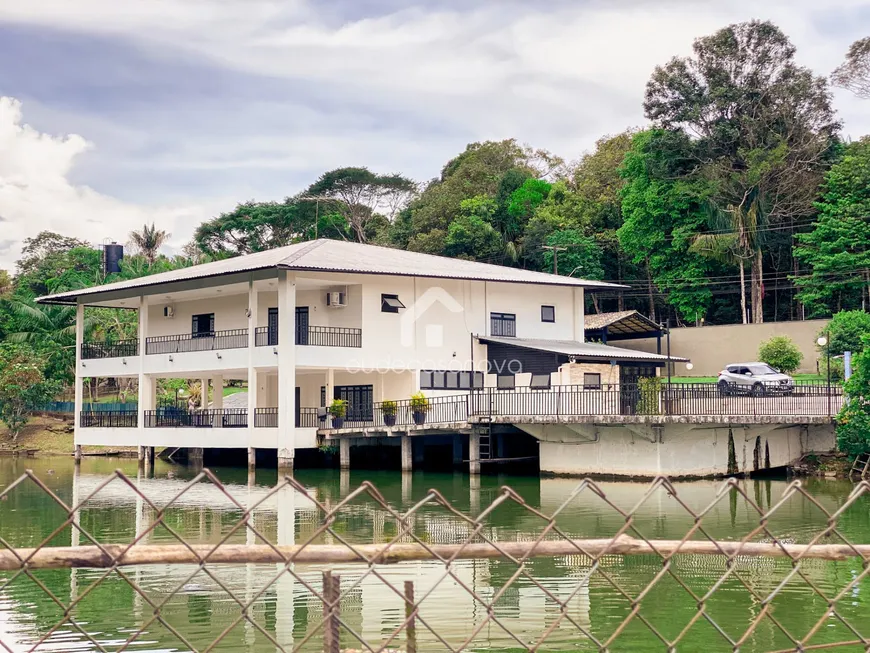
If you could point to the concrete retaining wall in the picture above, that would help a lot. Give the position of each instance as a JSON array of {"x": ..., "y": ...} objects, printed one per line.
[
  {"x": 683, "y": 450},
  {"x": 711, "y": 347}
]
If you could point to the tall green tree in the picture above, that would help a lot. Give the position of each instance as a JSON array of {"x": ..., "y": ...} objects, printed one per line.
[
  {"x": 478, "y": 171},
  {"x": 360, "y": 195},
  {"x": 765, "y": 126},
  {"x": 149, "y": 240},
  {"x": 258, "y": 226},
  {"x": 23, "y": 386},
  {"x": 662, "y": 208},
  {"x": 837, "y": 250}
]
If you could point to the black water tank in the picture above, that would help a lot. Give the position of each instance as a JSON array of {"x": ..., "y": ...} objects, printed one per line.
[{"x": 112, "y": 256}]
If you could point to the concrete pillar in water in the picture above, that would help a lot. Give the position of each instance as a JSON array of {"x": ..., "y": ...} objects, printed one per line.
[
  {"x": 407, "y": 454},
  {"x": 407, "y": 487},
  {"x": 344, "y": 453},
  {"x": 343, "y": 483},
  {"x": 140, "y": 454},
  {"x": 149, "y": 456},
  {"x": 194, "y": 456},
  {"x": 474, "y": 494},
  {"x": 457, "y": 450},
  {"x": 474, "y": 453},
  {"x": 252, "y": 457},
  {"x": 78, "y": 454}
]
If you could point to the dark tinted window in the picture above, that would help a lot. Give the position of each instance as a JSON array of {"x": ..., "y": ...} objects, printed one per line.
[{"x": 548, "y": 313}]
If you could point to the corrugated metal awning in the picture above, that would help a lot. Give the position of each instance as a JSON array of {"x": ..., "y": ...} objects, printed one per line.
[{"x": 583, "y": 350}]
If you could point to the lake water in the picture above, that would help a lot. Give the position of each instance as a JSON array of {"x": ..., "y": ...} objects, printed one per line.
[{"x": 287, "y": 611}]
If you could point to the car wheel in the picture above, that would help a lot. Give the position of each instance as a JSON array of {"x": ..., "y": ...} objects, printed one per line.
[
  {"x": 724, "y": 390},
  {"x": 758, "y": 389}
]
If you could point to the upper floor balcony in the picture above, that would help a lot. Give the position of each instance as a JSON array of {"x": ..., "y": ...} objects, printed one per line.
[{"x": 321, "y": 336}]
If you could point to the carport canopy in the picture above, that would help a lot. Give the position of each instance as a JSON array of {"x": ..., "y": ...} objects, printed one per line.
[{"x": 622, "y": 325}]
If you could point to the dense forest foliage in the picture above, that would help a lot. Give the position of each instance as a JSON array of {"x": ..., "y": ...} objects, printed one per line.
[{"x": 738, "y": 201}]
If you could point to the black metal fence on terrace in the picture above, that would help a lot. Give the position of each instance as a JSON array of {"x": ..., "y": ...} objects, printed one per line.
[
  {"x": 444, "y": 579},
  {"x": 677, "y": 399},
  {"x": 117, "y": 349},
  {"x": 267, "y": 418},
  {"x": 207, "y": 341},
  {"x": 210, "y": 418},
  {"x": 109, "y": 419},
  {"x": 441, "y": 410},
  {"x": 320, "y": 336}
]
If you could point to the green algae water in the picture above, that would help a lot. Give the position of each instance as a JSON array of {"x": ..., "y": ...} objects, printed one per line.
[{"x": 284, "y": 613}]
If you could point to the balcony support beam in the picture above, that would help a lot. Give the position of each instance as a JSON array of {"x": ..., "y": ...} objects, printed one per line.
[{"x": 144, "y": 382}]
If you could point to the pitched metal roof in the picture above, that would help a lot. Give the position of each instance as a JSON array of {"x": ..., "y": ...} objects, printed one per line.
[
  {"x": 621, "y": 322},
  {"x": 340, "y": 256},
  {"x": 585, "y": 350}
]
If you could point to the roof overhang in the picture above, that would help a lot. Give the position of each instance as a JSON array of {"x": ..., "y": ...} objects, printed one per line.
[{"x": 583, "y": 350}]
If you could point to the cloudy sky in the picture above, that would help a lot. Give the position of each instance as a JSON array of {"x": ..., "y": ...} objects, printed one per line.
[{"x": 116, "y": 113}]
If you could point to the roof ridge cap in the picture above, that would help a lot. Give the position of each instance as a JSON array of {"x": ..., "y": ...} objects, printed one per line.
[{"x": 314, "y": 244}]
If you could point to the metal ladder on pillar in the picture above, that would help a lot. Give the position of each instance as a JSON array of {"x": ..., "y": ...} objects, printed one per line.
[
  {"x": 861, "y": 466},
  {"x": 484, "y": 435}
]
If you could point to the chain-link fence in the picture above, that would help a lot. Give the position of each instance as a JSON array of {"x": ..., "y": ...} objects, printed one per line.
[{"x": 415, "y": 584}]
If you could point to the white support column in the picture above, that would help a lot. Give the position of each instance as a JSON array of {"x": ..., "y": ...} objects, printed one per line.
[
  {"x": 79, "y": 377},
  {"x": 579, "y": 319},
  {"x": 217, "y": 401},
  {"x": 329, "y": 386},
  {"x": 203, "y": 397},
  {"x": 253, "y": 381},
  {"x": 144, "y": 382},
  {"x": 286, "y": 368},
  {"x": 474, "y": 453}
]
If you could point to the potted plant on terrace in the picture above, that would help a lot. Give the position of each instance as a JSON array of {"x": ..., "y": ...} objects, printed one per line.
[
  {"x": 419, "y": 408},
  {"x": 388, "y": 410},
  {"x": 338, "y": 410}
]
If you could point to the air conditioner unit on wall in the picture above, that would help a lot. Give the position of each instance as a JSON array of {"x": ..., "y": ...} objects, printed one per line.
[
  {"x": 169, "y": 312},
  {"x": 336, "y": 299}
]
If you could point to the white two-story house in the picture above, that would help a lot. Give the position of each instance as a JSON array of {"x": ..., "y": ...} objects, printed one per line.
[{"x": 323, "y": 320}]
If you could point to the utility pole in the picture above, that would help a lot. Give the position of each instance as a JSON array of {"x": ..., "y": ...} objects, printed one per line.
[{"x": 555, "y": 249}]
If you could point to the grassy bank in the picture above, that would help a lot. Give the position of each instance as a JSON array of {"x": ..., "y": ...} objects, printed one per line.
[{"x": 49, "y": 436}]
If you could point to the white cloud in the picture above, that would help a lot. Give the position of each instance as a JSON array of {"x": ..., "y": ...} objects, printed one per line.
[
  {"x": 401, "y": 90},
  {"x": 36, "y": 194}
]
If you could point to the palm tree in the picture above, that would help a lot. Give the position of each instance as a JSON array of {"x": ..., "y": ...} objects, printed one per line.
[
  {"x": 735, "y": 242},
  {"x": 149, "y": 241},
  {"x": 51, "y": 329}
]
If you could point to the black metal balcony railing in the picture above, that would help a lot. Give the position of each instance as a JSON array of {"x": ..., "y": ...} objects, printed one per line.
[
  {"x": 116, "y": 349},
  {"x": 442, "y": 410},
  {"x": 109, "y": 419},
  {"x": 321, "y": 336},
  {"x": 677, "y": 399},
  {"x": 267, "y": 418},
  {"x": 203, "y": 419},
  {"x": 208, "y": 341}
]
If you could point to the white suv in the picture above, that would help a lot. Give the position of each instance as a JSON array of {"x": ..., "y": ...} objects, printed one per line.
[{"x": 754, "y": 378}]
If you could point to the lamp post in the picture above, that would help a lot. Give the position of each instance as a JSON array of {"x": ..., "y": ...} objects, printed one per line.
[{"x": 822, "y": 342}]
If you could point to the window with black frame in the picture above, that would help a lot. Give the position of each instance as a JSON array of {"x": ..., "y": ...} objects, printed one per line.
[
  {"x": 591, "y": 381},
  {"x": 503, "y": 324},
  {"x": 548, "y": 313},
  {"x": 203, "y": 325},
  {"x": 450, "y": 380},
  {"x": 390, "y": 303},
  {"x": 540, "y": 382},
  {"x": 506, "y": 382}
]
